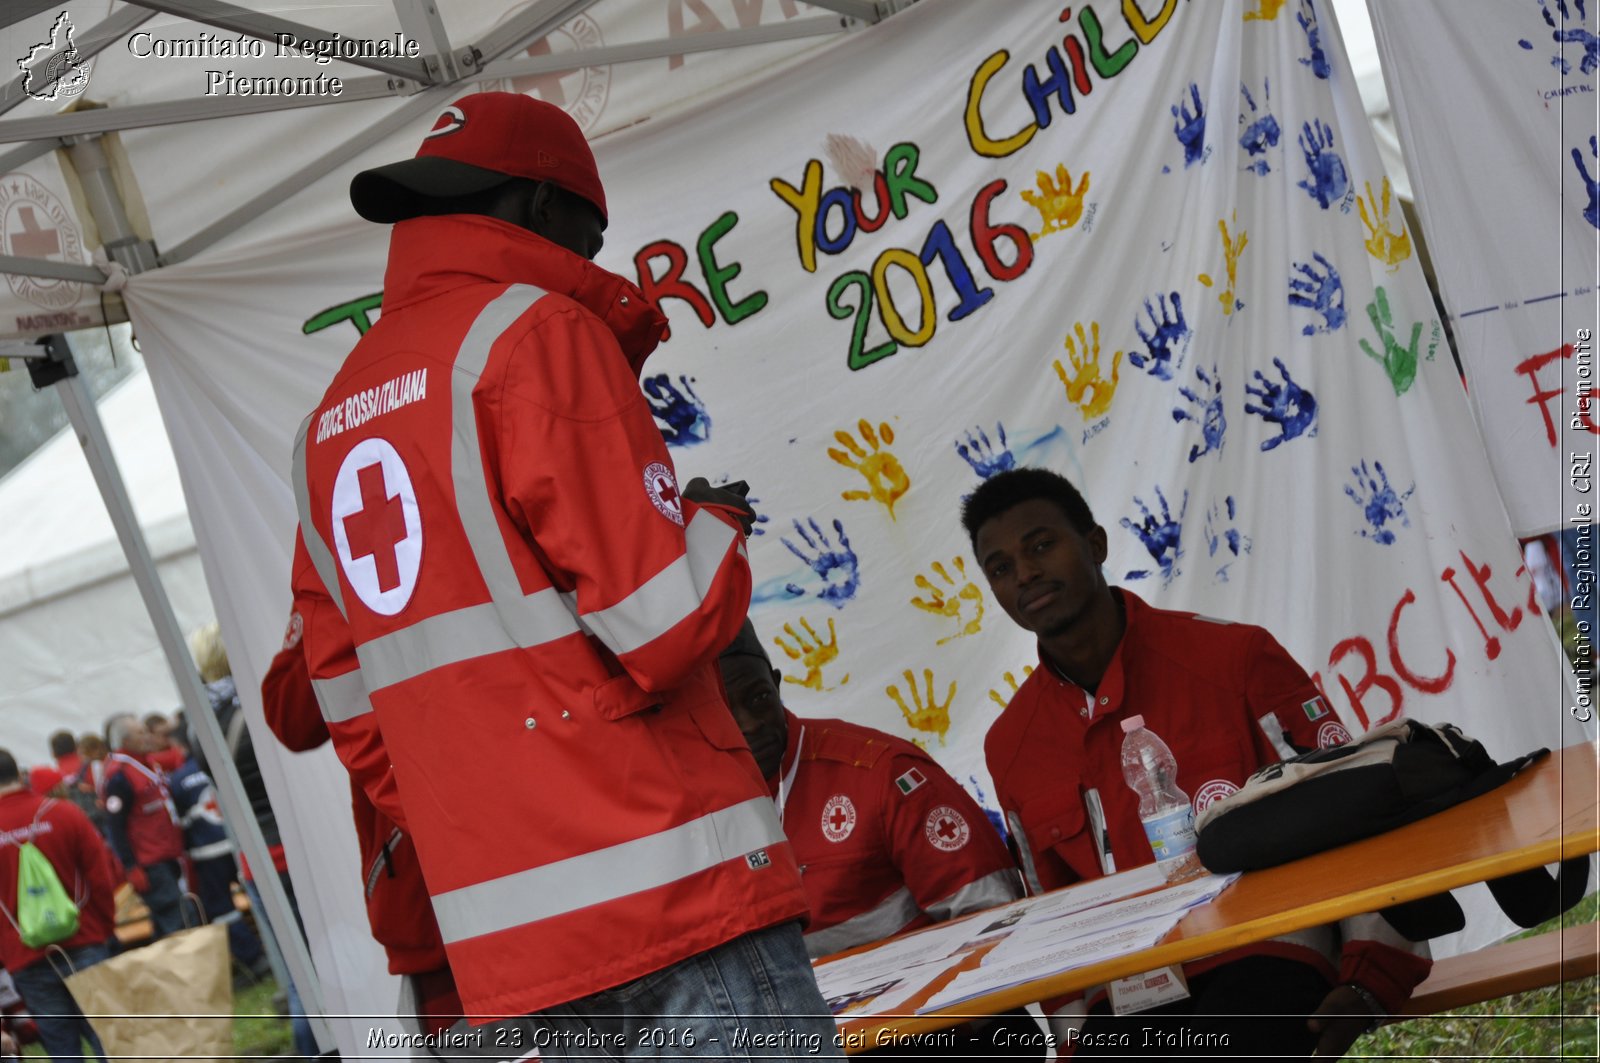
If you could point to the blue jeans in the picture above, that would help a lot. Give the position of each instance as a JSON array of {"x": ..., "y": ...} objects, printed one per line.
[
  {"x": 164, "y": 899},
  {"x": 61, "y": 1023},
  {"x": 752, "y": 998}
]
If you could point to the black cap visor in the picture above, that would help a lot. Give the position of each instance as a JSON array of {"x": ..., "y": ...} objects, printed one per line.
[{"x": 393, "y": 193}]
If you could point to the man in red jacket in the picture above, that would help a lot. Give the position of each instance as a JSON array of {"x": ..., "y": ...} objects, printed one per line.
[
  {"x": 142, "y": 822},
  {"x": 84, "y": 865},
  {"x": 1226, "y": 698},
  {"x": 502, "y": 585}
]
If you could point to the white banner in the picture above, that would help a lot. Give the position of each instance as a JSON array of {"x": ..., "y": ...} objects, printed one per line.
[
  {"x": 1130, "y": 247},
  {"x": 1497, "y": 111}
]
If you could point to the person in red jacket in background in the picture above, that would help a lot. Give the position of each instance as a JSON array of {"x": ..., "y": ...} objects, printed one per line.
[
  {"x": 142, "y": 822},
  {"x": 398, "y": 911},
  {"x": 1227, "y": 699},
  {"x": 887, "y": 841},
  {"x": 84, "y": 865}
]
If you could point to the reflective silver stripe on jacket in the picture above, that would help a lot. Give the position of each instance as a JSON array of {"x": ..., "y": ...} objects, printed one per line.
[
  {"x": 995, "y": 888},
  {"x": 1030, "y": 874},
  {"x": 608, "y": 874},
  {"x": 888, "y": 917},
  {"x": 667, "y": 598},
  {"x": 321, "y": 556},
  {"x": 342, "y": 698}
]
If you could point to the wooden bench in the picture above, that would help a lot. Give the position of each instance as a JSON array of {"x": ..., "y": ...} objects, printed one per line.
[{"x": 1511, "y": 967}]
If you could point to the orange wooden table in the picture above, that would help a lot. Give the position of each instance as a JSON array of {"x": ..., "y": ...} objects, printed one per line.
[{"x": 1546, "y": 814}]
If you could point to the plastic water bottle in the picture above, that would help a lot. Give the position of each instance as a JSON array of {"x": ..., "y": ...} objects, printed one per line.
[{"x": 1164, "y": 809}]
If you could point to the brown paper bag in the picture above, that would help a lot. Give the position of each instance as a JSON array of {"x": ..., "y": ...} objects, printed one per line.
[{"x": 172, "y": 999}]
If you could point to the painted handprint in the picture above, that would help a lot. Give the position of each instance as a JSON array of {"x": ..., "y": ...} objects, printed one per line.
[
  {"x": 886, "y": 478},
  {"x": 1162, "y": 536},
  {"x": 1327, "y": 181},
  {"x": 1205, "y": 410},
  {"x": 1058, "y": 203},
  {"x": 1265, "y": 10},
  {"x": 812, "y": 652},
  {"x": 853, "y": 159},
  {"x": 1231, "y": 250},
  {"x": 985, "y": 457},
  {"x": 1222, "y": 536},
  {"x": 680, "y": 415},
  {"x": 1288, "y": 405},
  {"x": 1190, "y": 127},
  {"x": 956, "y": 599},
  {"x": 1566, "y": 34},
  {"x": 1167, "y": 331},
  {"x": 927, "y": 714},
  {"x": 1318, "y": 62},
  {"x": 1397, "y": 361},
  {"x": 1010, "y": 678},
  {"x": 1383, "y": 243},
  {"x": 1591, "y": 213},
  {"x": 1320, "y": 291},
  {"x": 837, "y": 567},
  {"x": 1090, "y": 392},
  {"x": 1260, "y": 128},
  {"x": 1378, "y": 501},
  {"x": 996, "y": 819}
]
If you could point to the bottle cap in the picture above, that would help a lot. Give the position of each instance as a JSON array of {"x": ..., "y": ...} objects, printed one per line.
[{"x": 1132, "y": 724}]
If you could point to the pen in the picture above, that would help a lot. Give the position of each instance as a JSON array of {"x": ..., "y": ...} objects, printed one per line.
[{"x": 1099, "y": 831}]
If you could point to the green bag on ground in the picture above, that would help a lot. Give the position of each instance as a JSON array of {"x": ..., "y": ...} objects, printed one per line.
[{"x": 45, "y": 912}]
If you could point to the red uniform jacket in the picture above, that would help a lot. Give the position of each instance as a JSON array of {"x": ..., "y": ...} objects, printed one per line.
[
  {"x": 1226, "y": 699},
  {"x": 397, "y": 898},
  {"x": 887, "y": 840},
  {"x": 82, "y": 863},
  {"x": 511, "y": 613},
  {"x": 151, "y": 822}
]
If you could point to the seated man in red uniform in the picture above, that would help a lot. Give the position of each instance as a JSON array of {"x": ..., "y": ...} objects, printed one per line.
[
  {"x": 886, "y": 840},
  {"x": 1226, "y": 698}
]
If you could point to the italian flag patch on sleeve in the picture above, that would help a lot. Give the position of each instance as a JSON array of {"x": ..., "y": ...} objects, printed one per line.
[{"x": 910, "y": 780}]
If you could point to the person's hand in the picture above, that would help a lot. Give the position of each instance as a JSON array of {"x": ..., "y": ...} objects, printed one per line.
[
  {"x": 8, "y": 1046},
  {"x": 139, "y": 880},
  {"x": 1343, "y": 1016},
  {"x": 699, "y": 489}
]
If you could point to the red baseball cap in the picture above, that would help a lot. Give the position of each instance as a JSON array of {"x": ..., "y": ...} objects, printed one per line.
[{"x": 476, "y": 143}]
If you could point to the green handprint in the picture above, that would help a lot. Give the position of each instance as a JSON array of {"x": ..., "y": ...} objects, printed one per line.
[{"x": 1399, "y": 362}]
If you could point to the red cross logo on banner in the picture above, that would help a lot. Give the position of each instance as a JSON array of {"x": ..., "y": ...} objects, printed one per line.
[
  {"x": 946, "y": 829},
  {"x": 377, "y": 528},
  {"x": 838, "y": 818}
]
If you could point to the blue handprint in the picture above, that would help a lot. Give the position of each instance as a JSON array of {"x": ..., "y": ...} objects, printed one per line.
[
  {"x": 681, "y": 415},
  {"x": 1190, "y": 127},
  {"x": 1162, "y": 537},
  {"x": 1569, "y": 35},
  {"x": 1225, "y": 537},
  {"x": 1262, "y": 132},
  {"x": 984, "y": 457},
  {"x": 1318, "y": 62},
  {"x": 838, "y": 568},
  {"x": 1327, "y": 182},
  {"x": 1166, "y": 329},
  {"x": 1378, "y": 502},
  {"x": 1206, "y": 412},
  {"x": 1288, "y": 405},
  {"x": 993, "y": 814},
  {"x": 1322, "y": 292},
  {"x": 1592, "y": 212}
]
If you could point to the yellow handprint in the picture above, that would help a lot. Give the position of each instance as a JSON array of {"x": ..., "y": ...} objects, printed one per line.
[
  {"x": 886, "y": 477},
  {"x": 939, "y": 605},
  {"x": 1231, "y": 250},
  {"x": 812, "y": 653},
  {"x": 928, "y": 715},
  {"x": 1003, "y": 700},
  {"x": 1266, "y": 10},
  {"x": 1058, "y": 203},
  {"x": 1086, "y": 388},
  {"x": 1384, "y": 243}
]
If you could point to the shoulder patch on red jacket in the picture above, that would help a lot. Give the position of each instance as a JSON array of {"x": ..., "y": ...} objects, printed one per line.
[{"x": 844, "y": 747}]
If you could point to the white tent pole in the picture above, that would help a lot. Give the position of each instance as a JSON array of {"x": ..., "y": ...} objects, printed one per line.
[{"x": 79, "y": 403}]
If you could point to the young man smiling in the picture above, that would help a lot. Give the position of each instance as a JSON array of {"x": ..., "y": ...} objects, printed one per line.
[{"x": 1226, "y": 698}]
